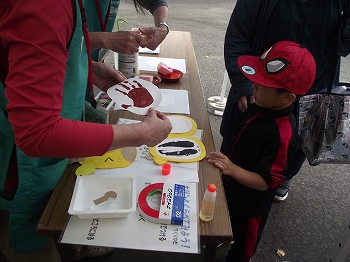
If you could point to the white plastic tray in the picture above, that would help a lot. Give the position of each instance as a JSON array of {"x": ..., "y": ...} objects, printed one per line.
[{"x": 89, "y": 188}]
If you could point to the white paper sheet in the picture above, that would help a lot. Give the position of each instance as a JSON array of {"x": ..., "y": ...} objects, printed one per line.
[
  {"x": 186, "y": 172},
  {"x": 134, "y": 232},
  {"x": 180, "y": 105},
  {"x": 145, "y": 50},
  {"x": 147, "y": 63}
]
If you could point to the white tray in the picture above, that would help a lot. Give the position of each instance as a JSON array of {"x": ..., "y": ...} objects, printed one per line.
[{"x": 89, "y": 188}]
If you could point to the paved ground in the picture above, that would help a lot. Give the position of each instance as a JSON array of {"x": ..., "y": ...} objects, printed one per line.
[{"x": 308, "y": 224}]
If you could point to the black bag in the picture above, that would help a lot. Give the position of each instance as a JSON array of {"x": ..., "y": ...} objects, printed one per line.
[
  {"x": 343, "y": 38},
  {"x": 324, "y": 126}
]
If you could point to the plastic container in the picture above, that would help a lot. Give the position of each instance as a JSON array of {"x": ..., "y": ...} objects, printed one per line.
[
  {"x": 129, "y": 64},
  {"x": 88, "y": 189},
  {"x": 206, "y": 212}
]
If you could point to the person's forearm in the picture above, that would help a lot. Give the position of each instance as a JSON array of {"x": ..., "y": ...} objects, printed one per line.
[
  {"x": 63, "y": 138},
  {"x": 153, "y": 129},
  {"x": 98, "y": 40},
  {"x": 160, "y": 15},
  {"x": 249, "y": 179},
  {"x": 132, "y": 136}
]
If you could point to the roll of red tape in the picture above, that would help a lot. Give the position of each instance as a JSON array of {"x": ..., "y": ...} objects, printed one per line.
[{"x": 146, "y": 210}]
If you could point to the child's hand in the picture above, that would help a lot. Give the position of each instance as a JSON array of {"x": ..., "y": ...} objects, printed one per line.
[
  {"x": 249, "y": 179},
  {"x": 221, "y": 161}
]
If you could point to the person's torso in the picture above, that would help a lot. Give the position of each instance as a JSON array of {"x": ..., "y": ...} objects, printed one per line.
[
  {"x": 256, "y": 146},
  {"x": 39, "y": 176},
  {"x": 301, "y": 23}
]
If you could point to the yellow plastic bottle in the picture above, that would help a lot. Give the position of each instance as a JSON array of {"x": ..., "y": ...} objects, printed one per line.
[{"x": 206, "y": 212}]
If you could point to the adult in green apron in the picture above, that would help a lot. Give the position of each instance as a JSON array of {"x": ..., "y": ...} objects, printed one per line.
[
  {"x": 20, "y": 210},
  {"x": 39, "y": 176}
]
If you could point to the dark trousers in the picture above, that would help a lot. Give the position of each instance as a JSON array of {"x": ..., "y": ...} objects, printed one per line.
[
  {"x": 246, "y": 230},
  {"x": 246, "y": 236}
]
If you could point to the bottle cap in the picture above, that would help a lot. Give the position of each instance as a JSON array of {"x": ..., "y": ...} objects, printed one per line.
[
  {"x": 166, "y": 169},
  {"x": 211, "y": 188}
]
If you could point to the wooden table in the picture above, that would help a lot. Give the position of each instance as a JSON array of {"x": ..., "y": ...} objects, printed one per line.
[{"x": 176, "y": 45}]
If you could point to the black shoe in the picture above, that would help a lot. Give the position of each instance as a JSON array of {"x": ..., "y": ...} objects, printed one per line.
[{"x": 282, "y": 191}]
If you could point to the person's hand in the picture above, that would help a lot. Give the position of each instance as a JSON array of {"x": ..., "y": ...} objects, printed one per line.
[
  {"x": 156, "y": 127},
  {"x": 124, "y": 42},
  {"x": 221, "y": 161},
  {"x": 247, "y": 178},
  {"x": 244, "y": 101},
  {"x": 153, "y": 36},
  {"x": 106, "y": 76}
]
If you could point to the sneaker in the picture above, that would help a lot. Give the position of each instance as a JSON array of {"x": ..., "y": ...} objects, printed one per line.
[{"x": 282, "y": 191}]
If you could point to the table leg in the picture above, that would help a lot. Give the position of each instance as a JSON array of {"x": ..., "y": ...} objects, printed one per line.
[{"x": 210, "y": 252}]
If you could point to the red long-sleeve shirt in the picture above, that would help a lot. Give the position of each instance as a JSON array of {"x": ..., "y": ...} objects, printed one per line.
[{"x": 33, "y": 56}]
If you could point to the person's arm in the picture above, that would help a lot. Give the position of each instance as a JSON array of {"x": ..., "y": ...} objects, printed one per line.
[
  {"x": 124, "y": 42},
  {"x": 247, "y": 178},
  {"x": 155, "y": 35},
  {"x": 151, "y": 131},
  {"x": 160, "y": 17},
  {"x": 37, "y": 56},
  {"x": 128, "y": 42}
]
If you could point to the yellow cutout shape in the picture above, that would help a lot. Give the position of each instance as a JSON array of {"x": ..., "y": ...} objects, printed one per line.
[
  {"x": 192, "y": 131},
  {"x": 178, "y": 148},
  {"x": 122, "y": 157}
]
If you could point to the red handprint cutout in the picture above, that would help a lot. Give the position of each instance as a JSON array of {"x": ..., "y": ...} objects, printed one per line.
[{"x": 137, "y": 93}]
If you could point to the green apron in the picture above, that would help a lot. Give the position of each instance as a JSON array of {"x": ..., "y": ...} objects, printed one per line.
[
  {"x": 93, "y": 20},
  {"x": 39, "y": 176}
]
